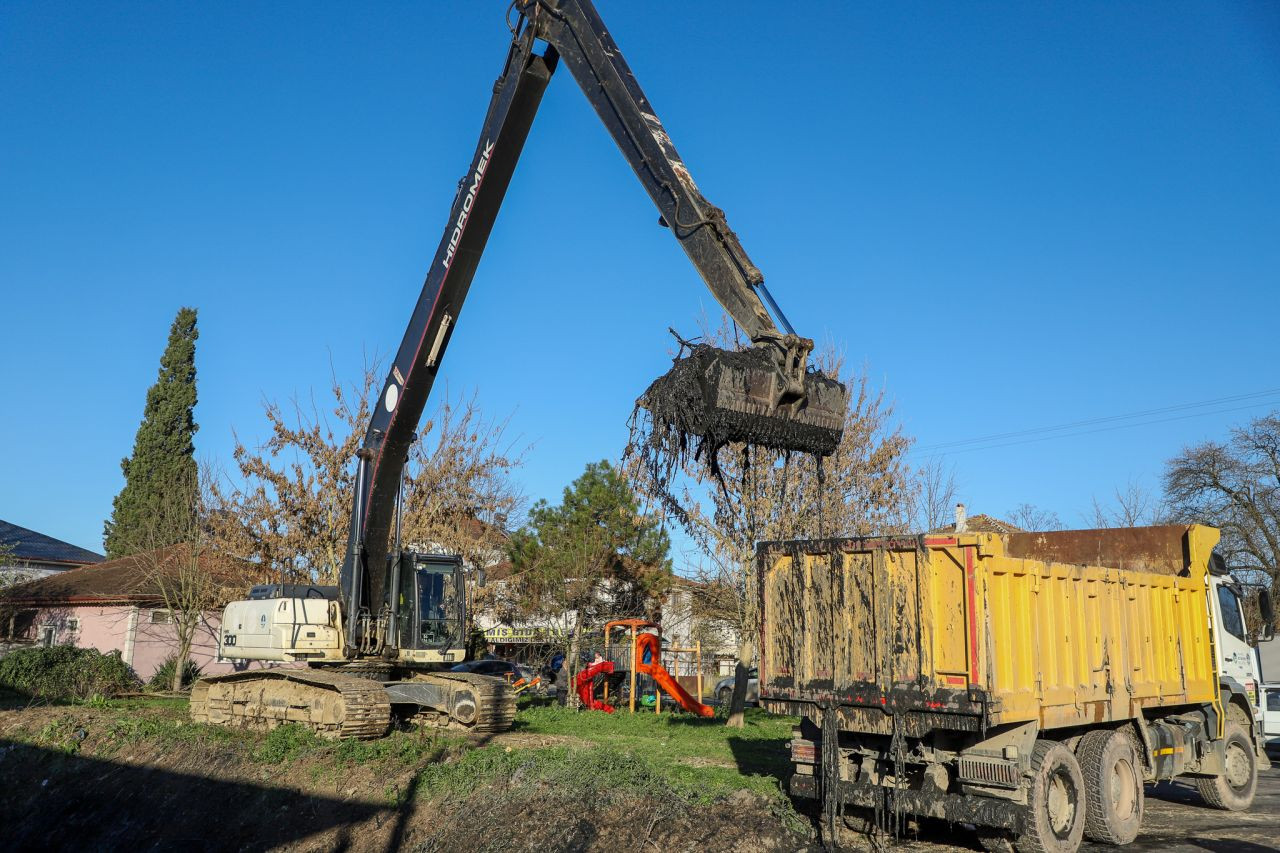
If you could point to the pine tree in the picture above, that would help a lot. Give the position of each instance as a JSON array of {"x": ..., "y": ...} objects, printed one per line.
[{"x": 160, "y": 477}]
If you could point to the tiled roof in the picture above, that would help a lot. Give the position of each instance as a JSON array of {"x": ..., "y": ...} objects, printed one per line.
[
  {"x": 982, "y": 523},
  {"x": 36, "y": 547},
  {"x": 132, "y": 578}
]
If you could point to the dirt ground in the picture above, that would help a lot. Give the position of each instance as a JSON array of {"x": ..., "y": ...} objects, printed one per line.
[
  {"x": 90, "y": 793},
  {"x": 84, "y": 791}
]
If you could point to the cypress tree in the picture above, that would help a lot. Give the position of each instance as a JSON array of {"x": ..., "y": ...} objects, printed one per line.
[{"x": 160, "y": 477}]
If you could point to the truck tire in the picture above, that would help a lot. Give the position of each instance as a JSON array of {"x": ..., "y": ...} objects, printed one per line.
[
  {"x": 1055, "y": 803},
  {"x": 1233, "y": 790},
  {"x": 1113, "y": 786}
]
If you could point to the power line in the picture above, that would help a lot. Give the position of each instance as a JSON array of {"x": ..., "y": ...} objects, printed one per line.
[
  {"x": 1103, "y": 419},
  {"x": 992, "y": 442}
]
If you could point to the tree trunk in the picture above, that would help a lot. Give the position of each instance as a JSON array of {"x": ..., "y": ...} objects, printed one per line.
[
  {"x": 185, "y": 633},
  {"x": 571, "y": 662},
  {"x": 738, "y": 704}
]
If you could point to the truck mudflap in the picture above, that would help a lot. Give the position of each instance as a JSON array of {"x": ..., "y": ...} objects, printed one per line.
[{"x": 956, "y": 808}]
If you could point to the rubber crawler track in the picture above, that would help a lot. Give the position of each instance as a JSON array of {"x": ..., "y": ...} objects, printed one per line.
[{"x": 331, "y": 704}]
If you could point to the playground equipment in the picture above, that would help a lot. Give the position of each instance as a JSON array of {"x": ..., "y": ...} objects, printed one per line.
[
  {"x": 642, "y": 655},
  {"x": 586, "y": 685}
]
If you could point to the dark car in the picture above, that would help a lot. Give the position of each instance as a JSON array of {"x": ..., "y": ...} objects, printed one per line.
[{"x": 499, "y": 668}]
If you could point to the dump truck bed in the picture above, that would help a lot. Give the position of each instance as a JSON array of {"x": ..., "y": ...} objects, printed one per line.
[{"x": 982, "y": 629}]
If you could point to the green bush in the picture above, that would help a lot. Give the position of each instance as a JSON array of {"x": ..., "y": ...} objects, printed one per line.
[
  {"x": 65, "y": 672},
  {"x": 163, "y": 678}
]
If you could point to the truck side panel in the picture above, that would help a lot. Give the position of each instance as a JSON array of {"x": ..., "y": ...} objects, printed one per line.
[
  {"x": 862, "y": 621},
  {"x": 927, "y": 624}
]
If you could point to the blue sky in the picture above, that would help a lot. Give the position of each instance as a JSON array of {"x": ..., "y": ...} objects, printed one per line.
[{"x": 1014, "y": 215}]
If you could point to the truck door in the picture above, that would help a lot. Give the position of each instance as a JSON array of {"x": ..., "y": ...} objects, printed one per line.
[
  {"x": 1271, "y": 716},
  {"x": 1236, "y": 658}
]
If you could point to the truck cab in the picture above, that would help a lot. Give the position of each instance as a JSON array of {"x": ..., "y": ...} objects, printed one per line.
[{"x": 1237, "y": 660}]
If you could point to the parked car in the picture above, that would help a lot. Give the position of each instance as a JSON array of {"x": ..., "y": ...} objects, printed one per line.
[
  {"x": 724, "y": 688},
  {"x": 1270, "y": 715},
  {"x": 500, "y": 668}
]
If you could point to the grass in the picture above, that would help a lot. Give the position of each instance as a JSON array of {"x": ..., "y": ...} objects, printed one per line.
[{"x": 668, "y": 758}]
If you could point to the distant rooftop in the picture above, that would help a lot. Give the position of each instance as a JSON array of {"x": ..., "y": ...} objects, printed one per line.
[
  {"x": 982, "y": 523},
  {"x": 29, "y": 546},
  {"x": 130, "y": 579}
]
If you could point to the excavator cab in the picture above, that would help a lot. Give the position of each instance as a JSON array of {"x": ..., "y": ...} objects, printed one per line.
[{"x": 431, "y": 614}]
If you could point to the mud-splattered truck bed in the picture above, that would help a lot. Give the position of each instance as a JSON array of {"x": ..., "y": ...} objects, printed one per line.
[{"x": 992, "y": 679}]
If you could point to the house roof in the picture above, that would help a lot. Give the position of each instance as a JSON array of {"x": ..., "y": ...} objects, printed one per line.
[
  {"x": 135, "y": 578},
  {"x": 982, "y": 523},
  {"x": 36, "y": 547}
]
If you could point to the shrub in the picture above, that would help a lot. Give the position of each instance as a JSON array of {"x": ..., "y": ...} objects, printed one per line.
[
  {"x": 65, "y": 672},
  {"x": 163, "y": 678}
]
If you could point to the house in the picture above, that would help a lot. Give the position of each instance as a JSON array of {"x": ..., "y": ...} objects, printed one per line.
[
  {"x": 26, "y": 554},
  {"x": 979, "y": 523},
  {"x": 688, "y": 618},
  {"x": 118, "y": 605}
]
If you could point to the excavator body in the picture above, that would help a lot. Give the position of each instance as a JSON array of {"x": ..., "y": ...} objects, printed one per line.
[{"x": 339, "y": 694}]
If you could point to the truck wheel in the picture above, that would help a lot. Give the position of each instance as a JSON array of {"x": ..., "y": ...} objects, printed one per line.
[
  {"x": 1233, "y": 790},
  {"x": 1055, "y": 803},
  {"x": 1113, "y": 786}
]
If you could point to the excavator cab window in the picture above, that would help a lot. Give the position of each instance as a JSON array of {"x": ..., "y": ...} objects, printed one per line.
[{"x": 439, "y": 605}]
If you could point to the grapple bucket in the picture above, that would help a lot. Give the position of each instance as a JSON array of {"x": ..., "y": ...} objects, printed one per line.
[{"x": 764, "y": 395}]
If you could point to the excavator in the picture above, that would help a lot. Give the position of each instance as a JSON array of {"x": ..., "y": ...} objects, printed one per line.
[{"x": 379, "y": 645}]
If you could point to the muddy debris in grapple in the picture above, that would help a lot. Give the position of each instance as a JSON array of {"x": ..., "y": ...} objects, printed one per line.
[{"x": 713, "y": 397}]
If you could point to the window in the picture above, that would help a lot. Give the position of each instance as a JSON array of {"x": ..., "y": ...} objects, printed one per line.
[
  {"x": 438, "y": 609},
  {"x": 1273, "y": 700},
  {"x": 22, "y": 624},
  {"x": 1232, "y": 621},
  {"x": 48, "y": 635},
  {"x": 73, "y": 625},
  {"x": 160, "y": 617}
]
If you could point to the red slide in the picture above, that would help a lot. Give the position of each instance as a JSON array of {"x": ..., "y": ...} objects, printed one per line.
[
  {"x": 647, "y": 646},
  {"x": 586, "y": 685}
]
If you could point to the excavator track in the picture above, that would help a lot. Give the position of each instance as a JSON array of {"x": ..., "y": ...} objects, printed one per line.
[
  {"x": 340, "y": 704},
  {"x": 495, "y": 701},
  {"x": 333, "y": 705}
]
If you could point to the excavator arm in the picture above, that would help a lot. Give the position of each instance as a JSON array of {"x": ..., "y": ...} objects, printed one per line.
[{"x": 546, "y": 33}]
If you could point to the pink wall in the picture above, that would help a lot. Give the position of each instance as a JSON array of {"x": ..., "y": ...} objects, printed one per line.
[{"x": 108, "y": 628}]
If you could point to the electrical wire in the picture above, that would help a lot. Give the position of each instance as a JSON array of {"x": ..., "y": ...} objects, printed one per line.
[{"x": 1037, "y": 434}]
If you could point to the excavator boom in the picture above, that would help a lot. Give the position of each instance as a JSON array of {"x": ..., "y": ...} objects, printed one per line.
[{"x": 766, "y": 395}]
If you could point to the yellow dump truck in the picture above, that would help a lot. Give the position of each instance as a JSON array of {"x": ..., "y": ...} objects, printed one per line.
[{"x": 1027, "y": 684}]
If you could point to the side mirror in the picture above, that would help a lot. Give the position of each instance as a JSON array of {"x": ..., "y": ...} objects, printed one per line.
[{"x": 1268, "y": 615}]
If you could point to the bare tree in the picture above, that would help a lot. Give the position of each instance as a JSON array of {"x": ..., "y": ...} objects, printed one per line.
[
  {"x": 1234, "y": 486},
  {"x": 864, "y": 487},
  {"x": 191, "y": 577},
  {"x": 931, "y": 503},
  {"x": 460, "y": 488},
  {"x": 12, "y": 570},
  {"x": 291, "y": 508},
  {"x": 1031, "y": 517},
  {"x": 1134, "y": 505}
]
